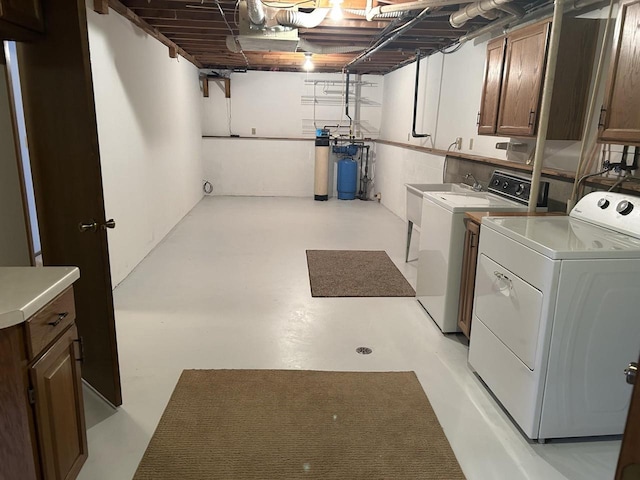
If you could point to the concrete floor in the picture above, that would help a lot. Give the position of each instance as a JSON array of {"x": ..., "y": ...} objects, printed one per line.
[{"x": 228, "y": 288}]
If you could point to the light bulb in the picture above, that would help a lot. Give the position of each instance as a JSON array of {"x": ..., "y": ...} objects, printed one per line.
[
  {"x": 308, "y": 63},
  {"x": 336, "y": 10}
]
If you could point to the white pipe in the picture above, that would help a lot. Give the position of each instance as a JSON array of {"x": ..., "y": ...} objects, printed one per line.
[
  {"x": 292, "y": 18},
  {"x": 592, "y": 107},
  {"x": 459, "y": 18},
  {"x": 547, "y": 92},
  {"x": 408, "y": 6}
]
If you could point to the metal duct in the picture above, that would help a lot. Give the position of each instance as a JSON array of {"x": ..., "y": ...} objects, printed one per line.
[
  {"x": 233, "y": 45},
  {"x": 292, "y": 18},
  {"x": 323, "y": 49},
  {"x": 462, "y": 16},
  {"x": 363, "y": 13},
  {"x": 408, "y": 6},
  {"x": 255, "y": 10}
]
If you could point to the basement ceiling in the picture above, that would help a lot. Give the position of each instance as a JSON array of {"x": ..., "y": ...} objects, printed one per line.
[{"x": 201, "y": 28}]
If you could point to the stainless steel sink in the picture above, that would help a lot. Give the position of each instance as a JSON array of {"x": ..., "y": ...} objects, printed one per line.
[{"x": 414, "y": 202}]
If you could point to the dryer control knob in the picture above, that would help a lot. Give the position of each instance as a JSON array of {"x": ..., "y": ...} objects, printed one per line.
[
  {"x": 624, "y": 207},
  {"x": 520, "y": 189},
  {"x": 603, "y": 203},
  {"x": 505, "y": 185}
]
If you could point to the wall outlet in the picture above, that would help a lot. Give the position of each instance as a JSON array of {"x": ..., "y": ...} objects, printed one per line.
[
  {"x": 459, "y": 143},
  {"x": 471, "y": 144},
  {"x": 253, "y": 131}
]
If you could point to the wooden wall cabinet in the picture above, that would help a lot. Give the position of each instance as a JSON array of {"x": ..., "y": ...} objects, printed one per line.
[
  {"x": 620, "y": 115},
  {"x": 41, "y": 360},
  {"x": 513, "y": 81},
  {"x": 20, "y": 19}
]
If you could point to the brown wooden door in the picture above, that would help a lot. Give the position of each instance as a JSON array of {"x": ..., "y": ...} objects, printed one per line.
[
  {"x": 468, "y": 280},
  {"x": 63, "y": 143},
  {"x": 629, "y": 460},
  {"x": 488, "y": 116},
  {"x": 522, "y": 81},
  {"x": 25, "y": 13},
  {"x": 59, "y": 409},
  {"x": 620, "y": 116}
]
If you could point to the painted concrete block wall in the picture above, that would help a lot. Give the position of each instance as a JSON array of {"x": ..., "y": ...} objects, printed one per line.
[
  {"x": 14, "y": 242},
  {"x": 149, "y": 127},
  {"x": 270, "y": 104}
]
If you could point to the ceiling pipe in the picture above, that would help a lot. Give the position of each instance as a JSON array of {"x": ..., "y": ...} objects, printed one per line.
[
  {"x": 400, "y": 31},
  {"x": 484, "y": 7},
  {"x": 512, "y": 21},
  {"x": 408, "y": 6},
  {"x": 545, "y": 108}
]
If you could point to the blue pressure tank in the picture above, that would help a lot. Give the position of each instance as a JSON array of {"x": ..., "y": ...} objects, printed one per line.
[{"x": 347, "y": 179}]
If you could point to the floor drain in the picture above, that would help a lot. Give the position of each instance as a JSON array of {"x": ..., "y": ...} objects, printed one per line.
[{"x": 364, "y": 350}]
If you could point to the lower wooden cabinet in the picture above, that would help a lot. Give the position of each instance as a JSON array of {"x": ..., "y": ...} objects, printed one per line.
[
  {"x": 59, "y": 408},
  {"x": 468, "y": 279},
  {"x": 42, "y": 425}
]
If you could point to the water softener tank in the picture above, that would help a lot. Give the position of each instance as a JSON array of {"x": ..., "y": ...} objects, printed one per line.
[
  {"x": 323, "y": 178},
  {"x": 347, "y": 179}
]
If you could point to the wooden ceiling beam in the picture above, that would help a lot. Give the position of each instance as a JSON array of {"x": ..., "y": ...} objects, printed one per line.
[{"x": 136, "y": 20}]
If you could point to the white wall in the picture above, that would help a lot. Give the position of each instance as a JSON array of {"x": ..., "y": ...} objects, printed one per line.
[
  {"x": 149, "y": 128},
  {"x": 272, "y": 104},
  {"x": 14, "y": 242}
]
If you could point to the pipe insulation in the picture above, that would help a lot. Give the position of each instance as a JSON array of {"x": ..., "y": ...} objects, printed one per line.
[
  {"x": 545, "y": 108},
  {"x": 484, "y": 7},
  {"x": 293, "y": 18}
]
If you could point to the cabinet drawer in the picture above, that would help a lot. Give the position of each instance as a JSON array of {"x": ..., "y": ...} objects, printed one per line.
[{"x": 51, "y": 321}]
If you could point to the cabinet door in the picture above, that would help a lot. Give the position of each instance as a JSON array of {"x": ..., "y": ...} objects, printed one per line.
[
  {"x": 25, "y": 13},
  {"x": 522, "y": 80},
  {"x": 468, "y": 281},
  {"x": 488, "y": 116},
  {"x": 620, "y": 118},
  {"x": 59, "y": 409}
]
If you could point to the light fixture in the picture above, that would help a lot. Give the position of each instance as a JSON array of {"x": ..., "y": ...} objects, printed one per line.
[
  {"x": 308, "y": 63},
  {"x": 336, "y": 10}
]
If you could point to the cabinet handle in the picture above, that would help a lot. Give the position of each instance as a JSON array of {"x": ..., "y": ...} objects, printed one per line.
[
  {"x": 61, "y": 316},
  {"x": 81, "y": 345},
  {"x": 504, "y": 278},
  {"x": 532, "y": 118},
  {"x": 478, "y": 120},
  {"x": 603, "y": 114}
]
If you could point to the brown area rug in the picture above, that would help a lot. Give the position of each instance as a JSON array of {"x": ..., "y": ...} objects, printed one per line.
[
  {"x": 292, "y": 424},
  {"x": 355, "y": 273}
]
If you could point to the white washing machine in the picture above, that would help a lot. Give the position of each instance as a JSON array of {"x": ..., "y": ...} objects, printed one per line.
[
  {"x": 442, "y": 240},
  {"x": 557, "y": 316}
]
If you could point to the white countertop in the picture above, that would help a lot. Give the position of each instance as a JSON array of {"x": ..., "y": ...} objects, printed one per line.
[{"x": 25, "y": 290}]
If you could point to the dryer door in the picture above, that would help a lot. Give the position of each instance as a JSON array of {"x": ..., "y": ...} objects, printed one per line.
[{"x": 509, "y": 307}]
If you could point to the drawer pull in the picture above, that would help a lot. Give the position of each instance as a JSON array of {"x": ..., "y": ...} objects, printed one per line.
[
  {"x": 504, "y": 278},
  {"x": 61, "y": 316}
]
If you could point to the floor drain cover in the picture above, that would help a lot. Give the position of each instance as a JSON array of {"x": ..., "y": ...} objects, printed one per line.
[{"x": 364, "y": 350}]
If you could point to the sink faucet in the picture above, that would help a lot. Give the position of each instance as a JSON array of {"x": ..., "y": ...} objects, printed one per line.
[{"x": 476, "y": 185}]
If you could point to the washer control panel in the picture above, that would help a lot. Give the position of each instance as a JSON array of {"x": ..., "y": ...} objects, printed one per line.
[{"x": 616, "y": 211}]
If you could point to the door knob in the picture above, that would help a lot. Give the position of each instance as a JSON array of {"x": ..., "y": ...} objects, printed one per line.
[
  {"x": 631, "y": 373},
  {"x": 92, "y": 226},
  {"x": 109, "y": 224}
]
